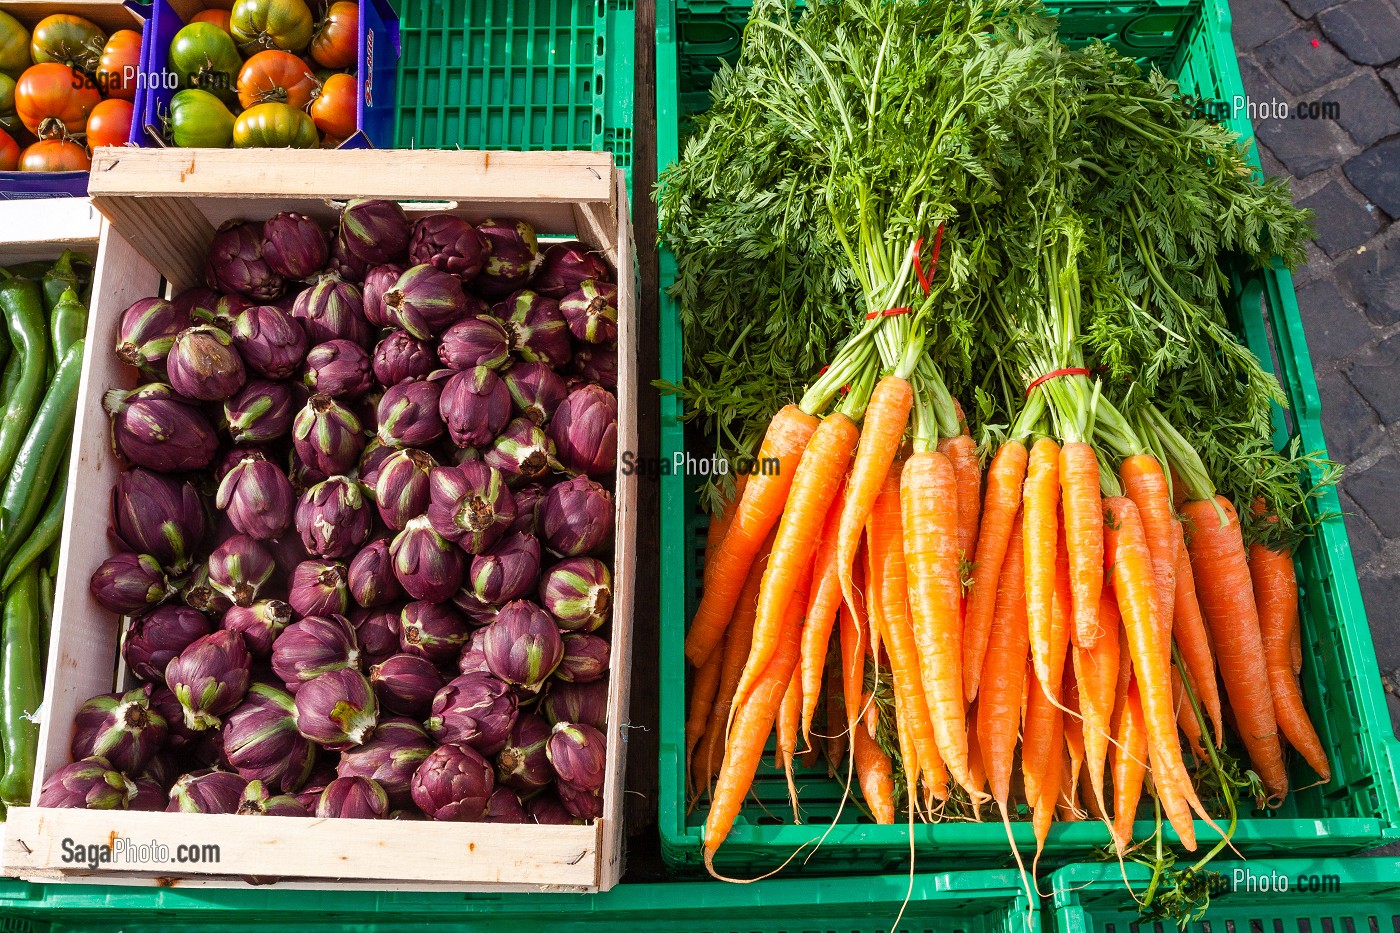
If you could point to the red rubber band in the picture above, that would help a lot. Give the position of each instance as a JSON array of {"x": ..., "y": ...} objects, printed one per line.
[
  {"x": 1071, "y": 371},
  {"x": 924, "y": 280},
  {"x": 822, "y": 371},
  {"x": 888, "y": 312}
]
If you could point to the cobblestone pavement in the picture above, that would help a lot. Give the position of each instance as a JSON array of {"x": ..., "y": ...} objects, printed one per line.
[{"x": 1337, "y": 66}]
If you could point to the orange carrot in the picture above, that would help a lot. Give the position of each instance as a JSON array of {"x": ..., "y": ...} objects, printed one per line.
[
  {"x": 758, "y": 511},
  {"x": 1038, "y": 748},
  {"x": 1226, "y": 596},
  {"x": 1186, "y": 716},
  {"x": 1002, "y": 504},
  {"x": 875, "y": 773},
  {"x": 928, "y": 493},
  {"x": 1295, "y": 648},
  {"x": 1074, "y": 735},
  {"x": 1129, "y": 765},
  {"x": 1048, "y": 792},
  {"x": 1097, "y": 671},
  {"x": 721, "y": 520},
  {"x": 702, "y": 702},
  {"x": 1067, "y": 807},
  {"x": 821, "y": 616},
  {"x": 1004, "y": 673},
  {"x": 1189, "y": 630},
  {"x": 975, "y": 765},
  {"x": 1083, "y": 520},
  {"x": 836, "y": 727},
  {"x": 1276, "y": 595},
  {"x": 1146, "y": 484},
  {"x": 962, "y": 451},
  {"x": 1061, "y": 615},
  {"x": 853, "y": 649},
  {"x": 788, "y": 715},
  {"x": 1040, "y": 533},
  {"x": 886, "y": 416}
]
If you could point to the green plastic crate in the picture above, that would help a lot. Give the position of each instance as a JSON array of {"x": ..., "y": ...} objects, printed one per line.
[
  {"x": 1352, "y": 895},
  {"x": 963, "y": 902},
  {"x": 1191, "y": 41},
  {"x": 517, "y": 75}
]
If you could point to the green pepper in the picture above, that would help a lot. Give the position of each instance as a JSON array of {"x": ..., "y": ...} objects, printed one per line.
[
  {"x": 21, "y": 687},
  {"x": 68, "y": 322},
  {"x": 45, "y": 534},
  {"x": 44, "y": 448},
  {"x": 31, "y": 270},
  {"x": 46, "y": 598},
  {"x": 59, "y": 278},
  {"x": 23, "y": 308}
]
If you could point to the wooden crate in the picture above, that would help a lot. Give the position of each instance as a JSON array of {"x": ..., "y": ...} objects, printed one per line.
[
  {"x": 162, "y": 207},
  {"x": 44, "y": 228}
]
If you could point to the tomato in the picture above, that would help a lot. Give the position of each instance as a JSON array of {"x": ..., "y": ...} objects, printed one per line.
[
  {"x": 121, "y": 58},
  {"x": 203, "y": 56},
  {"x": 271, "y": 24},
  {"x": 55, "y": 155},
  {"x": 334, "y": 111},
  {"x": 110, "y": 123},
  {"x": 14, "y": 46},
  {"x": 337, "y": 40},
  {"x": 199, "y": 120},
  {"x": 219, "y": 18},
  {"x": 69, "y": 40},
  {"x": 55, "y": 91},
  {"x": 274, "y": 126},
  {"x": 9, "y": 120},
  {"x": 9, "y": 152},
  {"x": 275, "y": 76}
]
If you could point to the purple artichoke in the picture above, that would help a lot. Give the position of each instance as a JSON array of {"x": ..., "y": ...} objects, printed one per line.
[
  {"x": 513, "y": 254},
  {"x": 522, "y": 646},
  {"x": 327, "y": 436},
  {"x": 377, "y": 631},
  {"x": 145, "y": 334},
  {"x": 475, "y": 406},
  {"x": 159, "y": 635},
  {"x": 454, "y": 783},
  {"x": 198, "y": 593},
  {"x": 207, "y": 792},
  {"x": 334, "y": 518},
  {"x": 261, "y": 741},
  {"x": 294, "y": 245},
  {"x": 372, "y": 461},
  {"x": 504, "y": 806},
  {"x": 579, "y": 755},
  {"x": 178, "y": 736},
  {"x": 508, "y": 570},
  {"x": 473, "y": 657},
  {"x": 401, "y": 489},
  {"x": 153, "y": 427},
  {"x": 378, "y": 281},
  {"x": 257, "y": 498},
  {"x": 523, "y": 763},
  {"x": 260, "y": 412},
  {"x": 375, "y": 231},
  {"x": 581, "y": 803},
  {"x": 338, "y": 368},
  {"x": 591, "y": 311},
  {"x": 270, "y": 341},
  {"x": 206, "y": 306},
  {"x": 408, "y": 414},
  {"x": 129, "y": 583},
  {"x": 425, "y": 301},
  {"x": 343, "y": 263},
  {"x": 332, "y": 309},
  {"x": 371, "y": 576},
  {"x": 150, "y": 797},
  {"x": 470, "y": 504},
  {"x": 585, "y": 659},
  {"x": 449, "y": 243},
  {"x": 400, "y": 357},
  {"x": 390, "y": 757},
  {"x": 576, "y": 517},
  {"x": 427, "y": 564},
  {"x": 162, "y": 770},
  {"x": 477, "y": 710},
  {"x": 566, "y": 266},
  {"x": 240, "y": 567},
  {"x": 259, "y": 624},
  {"x": 584, "y": 431},
  {"x": 209, "y": 678},
  {"x": 353, "y": 798},
  {"x": 204, "y": 365},
  {"x": 475, "y": 341},
  {"x": 120, "y": 727},
  {"x": 538, "y": 331},
  {"x": 406, "y": 684},
  {"x": 237, "y": 264},
  {"x": 523, "y": 452},
  {"x": 88, "y": 784},
  {"x": 431, "y": 630},
  {"x": 576, "y": 702},
  {"x": 257, "y": 800},
  {"x": 595, "y": 364},
  {"x": 307, "y": 649},
  {"x": 337, "y": 709},
  {"x": 310, "y": 793},
  {"x": 547, "y": 809},
  {"x": 527, "y": 502},
  {"x": 319, "y": 587},
  {"x": 160, "y": 516},
  {"x": 536, "y": 390},
  {"x": 578, "y": 593}
]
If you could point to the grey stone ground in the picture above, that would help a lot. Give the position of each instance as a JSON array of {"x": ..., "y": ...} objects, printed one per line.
[{"x": 1347, "y": 170}]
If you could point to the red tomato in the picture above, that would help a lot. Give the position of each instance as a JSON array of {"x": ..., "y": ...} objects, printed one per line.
[
  {"x": 277, "y": 77},
  {"x": 9, "y": 152},
  {"x": 219, "y": 18},
  {"x": 336, "y": 43},
  {"x": 334, "y": 111},
  {"x": 121, "y": 57},
  {"x": 55, "y": 155},
  {"x": 109, "y": 123},
  {"x": 55, "y": 91}
]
